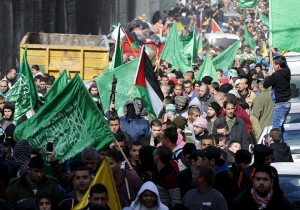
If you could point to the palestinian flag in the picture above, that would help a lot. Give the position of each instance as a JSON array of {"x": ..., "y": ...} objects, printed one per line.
[
  {"x": 215, "y": 27},
  {"x": 134, "y": 44},
  {"x": 146, "y": 83}
]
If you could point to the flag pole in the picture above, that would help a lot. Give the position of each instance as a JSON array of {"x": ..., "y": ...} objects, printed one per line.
[
  {"x": 126, "y": 159},
  {"x": 131, "y": 92},
  {"x": 271, "y": 36},
  {"x": 157, "y": 64},
  {"x": 129, "y": 42},
  {"x": 256, "y": 11},
  {"x": 132, "y": 88}
]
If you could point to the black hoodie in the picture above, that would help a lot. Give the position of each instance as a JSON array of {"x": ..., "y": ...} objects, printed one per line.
[{"x": 282, "y": 152}]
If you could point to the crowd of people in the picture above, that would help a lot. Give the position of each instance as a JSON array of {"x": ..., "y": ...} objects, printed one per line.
[{"x": 195, "y": 155}]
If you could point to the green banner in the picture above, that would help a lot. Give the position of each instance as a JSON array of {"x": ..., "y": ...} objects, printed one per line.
[
  {"x": 58, "y": 85},
  {"x": 207, "y": 69},
  {"x": 117, "y": 59},
  {"x": 173, "y": 52},
  {"x": 71, "y": 120},
  {"x": 247, "y": 3},
  {"x": 190, "y": 47},
  {"x": 125, "y": 75},
  {"x": 284, "y": 25},
  {"x": 248, "y": 37},
  {"x": 23, "y": 93},
  {"x": 225, "y": 59},
  {"x": 264, "y": 19}
]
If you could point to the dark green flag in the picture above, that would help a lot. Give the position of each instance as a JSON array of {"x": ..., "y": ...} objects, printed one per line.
[
  {"x": 199, "y": 44},
  {"x": 71, "y": 120},
  {"x": 117, "y": 59},
  {"x": 58, "y": 85},
  {"x": 190, "y": 46},
  {"x": 284, "y": 25},
  {"x": 173, "y": 52},
  {"x": 23, "y": 93},
  {"x": 248, "y": 37},
  {"x": 225, "y": 59},
  {"x": 247, "y": 3},
  {"x": 125, "y": 75},
  {"x": 207, "y": 69},
  {"x": 264, "y": 19}
]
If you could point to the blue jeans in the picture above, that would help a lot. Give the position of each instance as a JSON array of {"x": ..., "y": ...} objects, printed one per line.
[{"x": 281, "y": 111}]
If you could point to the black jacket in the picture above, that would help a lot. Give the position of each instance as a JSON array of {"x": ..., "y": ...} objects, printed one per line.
[
  {"x": 281, "y": 152},
  {"x": 260, "y": 151},
  {"x": 185, "y": 178},
  {"x": 146, "y": 141},
  {"x": 280, "y": 82},
  {"x": 225, "y": 183},
  {"x": 238, "y": 131},
  {"x": 245, "y": 201},
  {"x": 19, "y": 189}
]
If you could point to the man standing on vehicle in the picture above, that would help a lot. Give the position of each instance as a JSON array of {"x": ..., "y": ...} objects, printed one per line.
[{"x": 281, "y": 91}]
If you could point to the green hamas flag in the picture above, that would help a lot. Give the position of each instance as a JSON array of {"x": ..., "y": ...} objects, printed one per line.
[
  {"x": 173, "y": 52},
  {"x": 71, "y": 120},
  {"x": 264, "y": 19},
  {"x": 207, "y": 69},
  {"x": 225, "y": 59},
  {"x": 23, "y": 93},
  {"x": 125, "y": 75},
  {"x": 117, "y": 59},
  {"x": 189, "y": 43},
  {"x": 284, "y": 25},
  {"x": 248, "y": 37},
  {"x": 247, "y": 3},
  {"x": 58, "y": 85},
  {"x": 199, "y": 43}
]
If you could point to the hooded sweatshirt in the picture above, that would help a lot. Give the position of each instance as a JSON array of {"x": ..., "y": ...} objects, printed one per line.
[
  {"x": 138, "y": 205},
  {"x": 194, "y": 102},
  {"x": 282, "y": 152}
]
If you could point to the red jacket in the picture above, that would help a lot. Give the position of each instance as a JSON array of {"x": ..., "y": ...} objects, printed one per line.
[{"x": 240, "y": 112}]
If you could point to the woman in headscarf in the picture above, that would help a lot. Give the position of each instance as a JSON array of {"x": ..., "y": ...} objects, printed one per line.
[{"x": 148, "y": 198}]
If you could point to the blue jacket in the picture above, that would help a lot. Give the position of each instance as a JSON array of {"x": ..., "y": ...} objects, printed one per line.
[{"x": 138, "y": 128}]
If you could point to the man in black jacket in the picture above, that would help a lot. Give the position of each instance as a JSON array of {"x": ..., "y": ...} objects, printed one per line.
[
  {"x": 236, "y": 126},
  {"x": 154, "y": 138},
  {"x": 263, "y": 155},
  {"x": 281, "y": 91},
  {"x": 32, "y": 184},
  {"x": 262, "y": 194}
]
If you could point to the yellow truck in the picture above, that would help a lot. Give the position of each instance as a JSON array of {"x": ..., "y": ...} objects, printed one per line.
[{"x": 86, "y": 55}]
